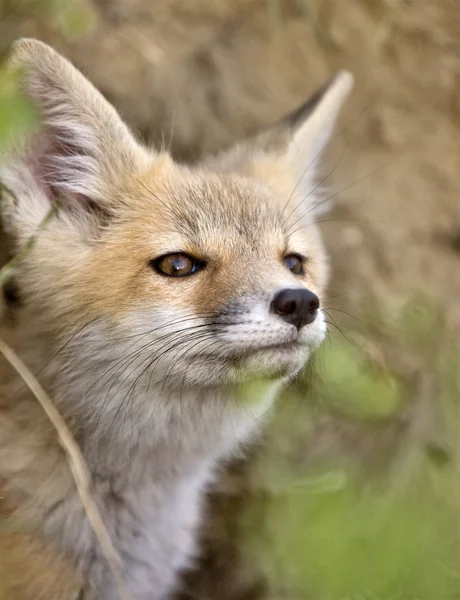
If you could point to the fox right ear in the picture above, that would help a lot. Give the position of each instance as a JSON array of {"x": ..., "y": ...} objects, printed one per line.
[
  {"x": 311, "y": 126},
  {"x": 80, "y": 148},
  {"x": 296, "y": 142},
  {"x": 300, "y": 138}
]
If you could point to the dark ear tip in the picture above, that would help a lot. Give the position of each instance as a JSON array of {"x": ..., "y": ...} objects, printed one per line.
[
  {"x": 327, "y": 100},
  {"x": 341, "y": 81}
]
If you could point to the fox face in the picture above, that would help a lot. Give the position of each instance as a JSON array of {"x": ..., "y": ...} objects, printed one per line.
[
  {"x": 216, "y": 285},
  {"x": 188, "y": 276}
]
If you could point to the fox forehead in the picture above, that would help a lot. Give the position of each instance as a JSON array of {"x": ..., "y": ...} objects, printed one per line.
[{"x": 179, "y": 208}]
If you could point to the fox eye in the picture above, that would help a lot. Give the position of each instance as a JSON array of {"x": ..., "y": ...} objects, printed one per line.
[
  {"x": 295, "y": 264},
  {"x": 176, "y": 264}
]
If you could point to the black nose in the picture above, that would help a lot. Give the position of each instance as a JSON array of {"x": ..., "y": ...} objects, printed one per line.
[{"x": 296, "y": 306}]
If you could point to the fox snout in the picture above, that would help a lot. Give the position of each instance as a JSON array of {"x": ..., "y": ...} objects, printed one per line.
[
  {"x": 299, "y": 307},
  {"x": 270, "y": 333}
]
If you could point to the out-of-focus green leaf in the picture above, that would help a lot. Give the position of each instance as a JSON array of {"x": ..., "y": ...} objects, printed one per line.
[
  {"x": 355, "y": 542},
  {"x": 17, "y": 115},
  {"x": 74, "y": 17},
  {"x": 356, "y": 386}
]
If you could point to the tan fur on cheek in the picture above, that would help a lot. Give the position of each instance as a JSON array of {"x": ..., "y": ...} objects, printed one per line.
[{"x": 117, "y": 275}]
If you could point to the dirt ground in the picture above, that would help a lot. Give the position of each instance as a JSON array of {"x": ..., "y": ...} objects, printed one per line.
[{"x": 196, "y": 75}]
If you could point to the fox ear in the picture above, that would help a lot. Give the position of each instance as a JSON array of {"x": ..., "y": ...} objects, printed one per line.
[
  {"x": 311, "y": 126},
  {"x": 302, "y": 136},
  {"x": 296, "y": 142},
  {"x": 308, "y": 130},
  {"x": 81, "y": 145}
]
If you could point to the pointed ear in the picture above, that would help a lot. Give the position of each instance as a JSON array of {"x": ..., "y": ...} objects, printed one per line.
[
  {"x": 80, "y": 148},
  {"x": 301, "y": 137},
  {"x": 312, "y": 125},
  {"x": 285, "y": 156}
]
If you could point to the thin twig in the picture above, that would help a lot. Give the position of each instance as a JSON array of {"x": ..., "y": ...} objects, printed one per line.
[{"x": 77, "y": 465}]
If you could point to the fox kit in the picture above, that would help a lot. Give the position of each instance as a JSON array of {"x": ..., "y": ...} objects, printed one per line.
[{"x": 162, "y": 308}]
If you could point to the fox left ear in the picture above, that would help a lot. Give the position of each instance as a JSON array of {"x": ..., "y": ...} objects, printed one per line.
[
  {"x": 309, "y": 130},
  {"x": 300, "y": 138},
  {"x": 311, "y": 126},
  {"x": 296, "y": 142}
]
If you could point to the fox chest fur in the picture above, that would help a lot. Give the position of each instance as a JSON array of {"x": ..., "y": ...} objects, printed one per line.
[
  {"x": 162, "y": 308},
  {"x": 148, "y": 482}
]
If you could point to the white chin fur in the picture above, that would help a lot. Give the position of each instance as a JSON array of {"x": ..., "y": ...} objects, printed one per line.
[{"x": 231, "y": 355}]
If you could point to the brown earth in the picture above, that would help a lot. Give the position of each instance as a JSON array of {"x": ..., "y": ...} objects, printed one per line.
[{"x": 196, "y": 75}]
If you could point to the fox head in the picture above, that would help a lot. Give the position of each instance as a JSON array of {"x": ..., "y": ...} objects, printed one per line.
[{"x": 199, "y": 275}]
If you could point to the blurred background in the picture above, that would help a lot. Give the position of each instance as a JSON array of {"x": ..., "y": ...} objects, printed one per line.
[{"x": 354, "y": 491}]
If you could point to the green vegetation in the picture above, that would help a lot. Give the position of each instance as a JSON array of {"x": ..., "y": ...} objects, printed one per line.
[
  {"x": 351, "y": 526},
  {"x": 69, "y": 18},
  {"x": 16, "y": 115}
]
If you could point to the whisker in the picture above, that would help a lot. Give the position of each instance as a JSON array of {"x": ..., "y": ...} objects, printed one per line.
[
  {"x": 339, "y": 329},
  {"x": 135, "y": 382},
  {"x": 206, "y": 336},
  {"x": 214, "y": 344},
  {"x": 130, "y": 361},
  {"x": 328, "y": 220},
  {"x": 315, "y": 204},
  {"x": 326, "y": 308},
  {"x": 344, "y": 129},
  {"x": 146, "y": 346},
  {"x": 361, "y": 179}
]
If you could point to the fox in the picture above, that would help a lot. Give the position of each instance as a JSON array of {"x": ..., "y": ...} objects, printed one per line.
[{"x": 163, "y": 307}]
